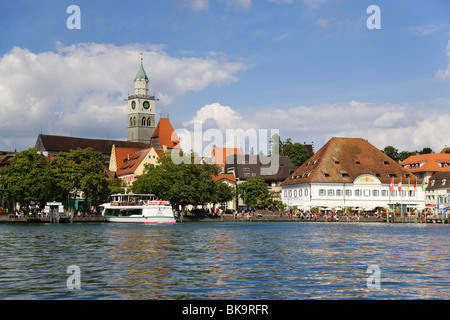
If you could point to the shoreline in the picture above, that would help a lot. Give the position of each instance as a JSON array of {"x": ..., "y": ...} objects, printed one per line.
[{"x": 5, "y": 219}]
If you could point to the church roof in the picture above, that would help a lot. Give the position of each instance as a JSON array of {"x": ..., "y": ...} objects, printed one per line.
[
  {"x": 62, "y": 143},
  {"x": 141, "y": 74},
  {"x": 342, "y": 160},
  {"x": 165, "y": 135}
]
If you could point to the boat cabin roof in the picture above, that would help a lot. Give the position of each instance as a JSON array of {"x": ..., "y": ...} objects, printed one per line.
[{"x": 130, "y": 197}]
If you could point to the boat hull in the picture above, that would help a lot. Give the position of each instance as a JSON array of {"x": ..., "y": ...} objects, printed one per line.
[
  {"x": 151, "y": 214},
  {"x": 149, "y": 220}
]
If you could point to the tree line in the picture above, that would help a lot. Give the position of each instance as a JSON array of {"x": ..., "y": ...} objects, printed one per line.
[
  {"x": 32, "y": 178},
  {"x": 297, "y": 152},
  {"x": 193, "y": 184},
  {"x": 398, "y": 156}
]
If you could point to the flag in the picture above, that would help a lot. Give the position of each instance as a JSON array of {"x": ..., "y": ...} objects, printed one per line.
[
  {"x": 423, "y": 185},
  {"x": 415, "y": 186},
  {"x": 391, "y": 186},
  {"x": 400, "y": 185},
  {"x": 407, "y": 189}
]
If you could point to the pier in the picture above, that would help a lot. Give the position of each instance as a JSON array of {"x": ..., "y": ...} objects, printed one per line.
[
  {"x": 51, "y": 219},
  {"x": 267, "y": 217}
]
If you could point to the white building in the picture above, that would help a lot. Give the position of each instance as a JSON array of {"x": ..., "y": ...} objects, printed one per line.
[{"x": 351, "y": 173}]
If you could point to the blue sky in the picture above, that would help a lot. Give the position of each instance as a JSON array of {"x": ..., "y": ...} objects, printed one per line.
[{"x": 310, "y": 68}]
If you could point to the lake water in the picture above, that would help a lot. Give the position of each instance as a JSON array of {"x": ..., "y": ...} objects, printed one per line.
[{"x": 221, "y": 260}]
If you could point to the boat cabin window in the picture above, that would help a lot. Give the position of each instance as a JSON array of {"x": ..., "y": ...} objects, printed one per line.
[{"x": 123, "y": 212}]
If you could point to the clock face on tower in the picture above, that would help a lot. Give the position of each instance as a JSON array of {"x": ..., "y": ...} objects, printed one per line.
[
  {"x": 133, "y": 104},
  {"x": 146, "y": 104}
]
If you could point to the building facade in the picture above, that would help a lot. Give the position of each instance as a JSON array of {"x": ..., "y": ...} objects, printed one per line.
[
  {"x": 349, "y": 173},
  {"x": 425, "y": 165},
  {"x": 438, "y": 192},
  {"x": 273, "y": 170}
]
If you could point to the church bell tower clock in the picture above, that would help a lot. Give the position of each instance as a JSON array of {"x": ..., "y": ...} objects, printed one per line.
[{"x": 141, "y": 110}]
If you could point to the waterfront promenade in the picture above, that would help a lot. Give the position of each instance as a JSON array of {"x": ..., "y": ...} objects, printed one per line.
[{"x": 266, "y": 217}]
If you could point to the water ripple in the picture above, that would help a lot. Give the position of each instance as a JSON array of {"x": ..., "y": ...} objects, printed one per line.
[{"x": 224, "y": 261}]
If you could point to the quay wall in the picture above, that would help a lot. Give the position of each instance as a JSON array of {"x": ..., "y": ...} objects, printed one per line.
[{"x": 225, "y": 218}]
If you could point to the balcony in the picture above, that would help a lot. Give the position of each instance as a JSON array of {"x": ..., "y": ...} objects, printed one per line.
[{"x": 141, "y": 97}]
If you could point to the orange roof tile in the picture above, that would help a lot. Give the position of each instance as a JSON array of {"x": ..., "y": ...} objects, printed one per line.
[
  {"x": 122, "y": 154},
  {"x": 166, "y": 134},
  {"x": 221, "y": 154},
  {"x": 427, "y": 162},
  {"x": 221, "y": 176},
  {"x": 132, "y": 162},
  {"x": 343, "y": 160}
]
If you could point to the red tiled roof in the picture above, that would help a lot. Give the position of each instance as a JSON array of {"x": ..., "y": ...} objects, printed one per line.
[
  {"x": 221, "y": 176},
  {"x": 131, "y": 162},
  {"x": 122, "y": 154},
  {"x": 429, "y": 162},
  {"x": 221, "y": 154},
  {"x": 343, "y": 160},
  {"x": 166, "y": 134}
]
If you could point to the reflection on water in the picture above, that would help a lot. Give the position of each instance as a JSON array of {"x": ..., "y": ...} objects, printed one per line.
[{"x": 224, "y": 261}]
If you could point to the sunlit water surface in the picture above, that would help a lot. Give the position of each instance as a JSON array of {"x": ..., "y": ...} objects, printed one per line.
[{"x": 225, "y": 261}]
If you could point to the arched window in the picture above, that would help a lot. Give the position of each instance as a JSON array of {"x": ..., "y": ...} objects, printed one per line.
[
  {"x": 143, "y": 121},
  {"x": 131, "y": 122},
  {"x": 134, "y": 121},
  {"x": 149, "y": 122}
]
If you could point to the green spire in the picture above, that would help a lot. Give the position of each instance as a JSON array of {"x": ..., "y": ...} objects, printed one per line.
[{"x": 141, "y": 73}]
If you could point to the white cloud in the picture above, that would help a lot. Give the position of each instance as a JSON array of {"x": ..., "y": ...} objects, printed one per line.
[
  {"x": 406, "y": 127},
  {"x": 195, "y": 5},
  {"x": 240, "y": 5},
  {"x": 224, "y": 116},
  {"x": 281, "y": 1},
  {"x": 201, "y": 5},
  {"x": 315, "y": 4},
  {"x": 426, "y": 30},
  {"x": 80, "y": 89},
  {"x": 444, "y": 74}
]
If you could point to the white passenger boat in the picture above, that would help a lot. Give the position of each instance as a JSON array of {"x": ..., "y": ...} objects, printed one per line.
[{"x": 138, "y": 208}]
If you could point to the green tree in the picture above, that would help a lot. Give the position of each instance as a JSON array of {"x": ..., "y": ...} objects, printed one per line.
[
  {"x": 182, "y": 184},
  {"x": 403, "y": 155},
  {"x": 223, "y": 193},
  {"x": 297, "y": 153},
  {"x": 254, "y": 192},
  {"x": 28, "y": 179},
  {"x": 81, "y": 170},
  {"x": 391, "y": 152},
  {"x": 426, "y": 150},
  {"x": 276, "y": 147}
]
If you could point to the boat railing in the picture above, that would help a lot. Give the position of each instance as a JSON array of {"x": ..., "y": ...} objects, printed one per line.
[{"x": 139, "y": 203}]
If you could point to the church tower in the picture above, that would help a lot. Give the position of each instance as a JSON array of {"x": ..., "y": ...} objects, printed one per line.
[{"x": 141, "y": 110}]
